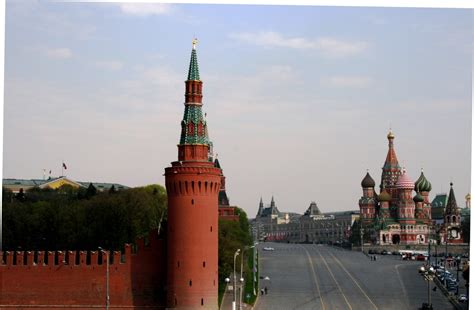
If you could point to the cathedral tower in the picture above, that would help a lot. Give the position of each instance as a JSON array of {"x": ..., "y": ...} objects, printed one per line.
[
  {"x": 367, "y": 203},
  {"x": 192, "y": 184},
  {"x": 391, "y": 169}
]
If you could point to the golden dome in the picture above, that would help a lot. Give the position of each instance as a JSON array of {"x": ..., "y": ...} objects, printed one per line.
[{"x": 390, "y": 135}]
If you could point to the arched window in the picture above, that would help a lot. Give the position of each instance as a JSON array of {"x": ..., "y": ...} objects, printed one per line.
[
  {"x": 191, "y": 128},
  {"x": 200, "y": 129}
]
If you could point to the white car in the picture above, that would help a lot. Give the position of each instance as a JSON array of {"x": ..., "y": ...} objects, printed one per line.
[{"x": 268, "y": 249}]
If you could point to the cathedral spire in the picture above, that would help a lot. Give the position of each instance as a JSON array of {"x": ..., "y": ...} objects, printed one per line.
[
  {"x": 391, "y": 170},
  {"x": 391, "y": 161},
  {"x": 451, "y": 205}
]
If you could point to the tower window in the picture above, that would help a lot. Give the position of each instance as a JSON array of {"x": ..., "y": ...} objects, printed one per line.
[
  {"x": 202, "y": 301},
  {"x": 190, "y": 282},
  {"x": 175, "y": 302},
  {"x": 178, "y": 264},
  {"x": 204, "y": 264},
  {"x": 211, "y": 228},
  {"x": 192, "y": 201}
]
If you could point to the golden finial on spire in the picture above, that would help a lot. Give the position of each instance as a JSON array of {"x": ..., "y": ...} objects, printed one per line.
[
  {"x": 195, "y": 41},
  {"x": 390, "y": 134}
]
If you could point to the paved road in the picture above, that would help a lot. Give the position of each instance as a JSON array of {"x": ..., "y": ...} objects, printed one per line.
[{"x": 306, "y": 276}]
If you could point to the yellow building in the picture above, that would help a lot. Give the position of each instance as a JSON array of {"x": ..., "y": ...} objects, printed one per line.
[{"x": 15, "y": 185}]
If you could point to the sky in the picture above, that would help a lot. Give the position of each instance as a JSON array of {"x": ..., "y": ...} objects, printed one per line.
[{"x": 299, "y": 100}]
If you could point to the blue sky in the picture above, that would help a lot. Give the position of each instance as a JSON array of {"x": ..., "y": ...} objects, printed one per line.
[{"x": 299, "y": 100}]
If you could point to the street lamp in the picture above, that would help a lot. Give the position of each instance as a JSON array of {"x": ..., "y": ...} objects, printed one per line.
[
  {"x": 107, "y": 298},
  {"x": 429, "y": 275},
  {"x": 362, "y": 239},
  {"x": 235, "y": 280},
  {"x": 241, "y": 273}
]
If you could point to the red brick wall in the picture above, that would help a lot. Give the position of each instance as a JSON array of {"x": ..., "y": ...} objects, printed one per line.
[{"x": 68, "y": 278}]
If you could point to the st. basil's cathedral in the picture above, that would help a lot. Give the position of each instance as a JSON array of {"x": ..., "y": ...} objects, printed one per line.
[{"x": 395, "y": 216}]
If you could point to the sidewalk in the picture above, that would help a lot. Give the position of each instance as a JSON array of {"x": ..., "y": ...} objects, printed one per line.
[{"x": 229, "y": 297}]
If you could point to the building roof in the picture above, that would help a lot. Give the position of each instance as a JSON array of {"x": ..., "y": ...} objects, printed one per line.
[
  {"x": 391, "y": 160},
  {"x": 312, "y": 210},
  {"x": 368, "y": 181},
  {"x": 57, "y": 181},
  {"x": 451, "y": 205},
  {"x": 437, "y": 206},
  {"x": 422, "y": 184},
  {"x": 405, "y": 182},
  {"x": 193, "y": 73},
  {"x": 384, "y": 196}
]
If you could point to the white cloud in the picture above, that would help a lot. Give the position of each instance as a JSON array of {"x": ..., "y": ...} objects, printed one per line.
[
  {"x": 348, "y": 81},
  {"x": 328, "y": 46},
  {"x": 145, "y": 9},
  {"x": 111, "y": 65},
  {"x": 60, "y": 53}
]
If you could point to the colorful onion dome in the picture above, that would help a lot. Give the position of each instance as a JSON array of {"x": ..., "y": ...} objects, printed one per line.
[
  {"x": 368, "y": 181},
  {"x": 422, "y": 184},
  {"x": 418, "y": 198},
  {"x": 405, "y": 182},
  {"x": 384, "y": 196}
]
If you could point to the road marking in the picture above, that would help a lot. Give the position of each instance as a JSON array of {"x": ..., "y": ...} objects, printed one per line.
[
  {"x": 332, "y": 275},
  {"x": 314, "y": 277},
  {"x": 354, "y": 280},
  {"x": 403, "y": 285}
]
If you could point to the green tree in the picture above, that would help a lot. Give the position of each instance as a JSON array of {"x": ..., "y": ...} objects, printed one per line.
[
  {"x": 355, "y": 233},
  {"x": 466, "y": 229}
]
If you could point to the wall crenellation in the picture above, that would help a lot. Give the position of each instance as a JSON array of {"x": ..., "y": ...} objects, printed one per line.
[{"x": 37, "y": 258}]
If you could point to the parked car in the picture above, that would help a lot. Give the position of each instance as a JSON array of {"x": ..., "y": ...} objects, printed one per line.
[
  {"x": 421, "y": 257},
  {"x": 268, "y": 249},
  {"x": 462, "y": 298}
]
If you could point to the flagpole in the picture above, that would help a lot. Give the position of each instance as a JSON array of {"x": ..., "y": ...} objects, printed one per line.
[{"x": 62, "y": 168}]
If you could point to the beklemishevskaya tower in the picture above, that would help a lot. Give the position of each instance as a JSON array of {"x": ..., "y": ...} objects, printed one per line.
[{"x": 193, "y": 184}]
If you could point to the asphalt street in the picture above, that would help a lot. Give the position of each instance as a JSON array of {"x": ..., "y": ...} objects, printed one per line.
[{"x": 308, "y": 276}]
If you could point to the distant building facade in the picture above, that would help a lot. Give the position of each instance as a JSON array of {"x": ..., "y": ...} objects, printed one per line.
[
  {"x": 17, "y": 185},
  {"x": 313, "y": 226}
]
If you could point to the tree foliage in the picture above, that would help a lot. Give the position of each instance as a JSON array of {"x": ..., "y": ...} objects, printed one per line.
[
  {"x": 71, "y": 218},
  {"x": 233, "y": 236},
  {"x": 355, "y": 233}
]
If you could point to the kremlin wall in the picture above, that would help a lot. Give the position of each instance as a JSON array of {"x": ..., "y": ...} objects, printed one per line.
[{"x": 78, "y": 279}]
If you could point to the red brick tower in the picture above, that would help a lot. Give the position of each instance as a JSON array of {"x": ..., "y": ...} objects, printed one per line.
[
  {"x": 367, "y": 202},
  {"x": 406, "y": 207},
  {"x": 192, "y": 184}
]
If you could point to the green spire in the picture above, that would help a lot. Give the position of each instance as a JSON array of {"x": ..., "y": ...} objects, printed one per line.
[{"x": 193, "y": 74}]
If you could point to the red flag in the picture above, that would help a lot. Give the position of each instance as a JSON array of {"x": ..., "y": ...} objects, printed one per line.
[{"x": 64, "y": 166}]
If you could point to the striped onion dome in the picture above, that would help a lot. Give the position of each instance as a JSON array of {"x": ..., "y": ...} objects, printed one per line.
[
  {"x": 405, "y": 182},
  {"x": 418, "y": 198},
  {"x": 422, "y": 184},
  {"x": 384, "y": 196}
]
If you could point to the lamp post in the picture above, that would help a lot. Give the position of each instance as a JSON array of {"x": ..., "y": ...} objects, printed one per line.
[
  {"x": 235, "y": 280},
  {"x": 362, "y": 239},
  {"x": 107, "y": 298},
  {"x": 241, "y": 273},
  {"x": 429, "y": 275}
]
